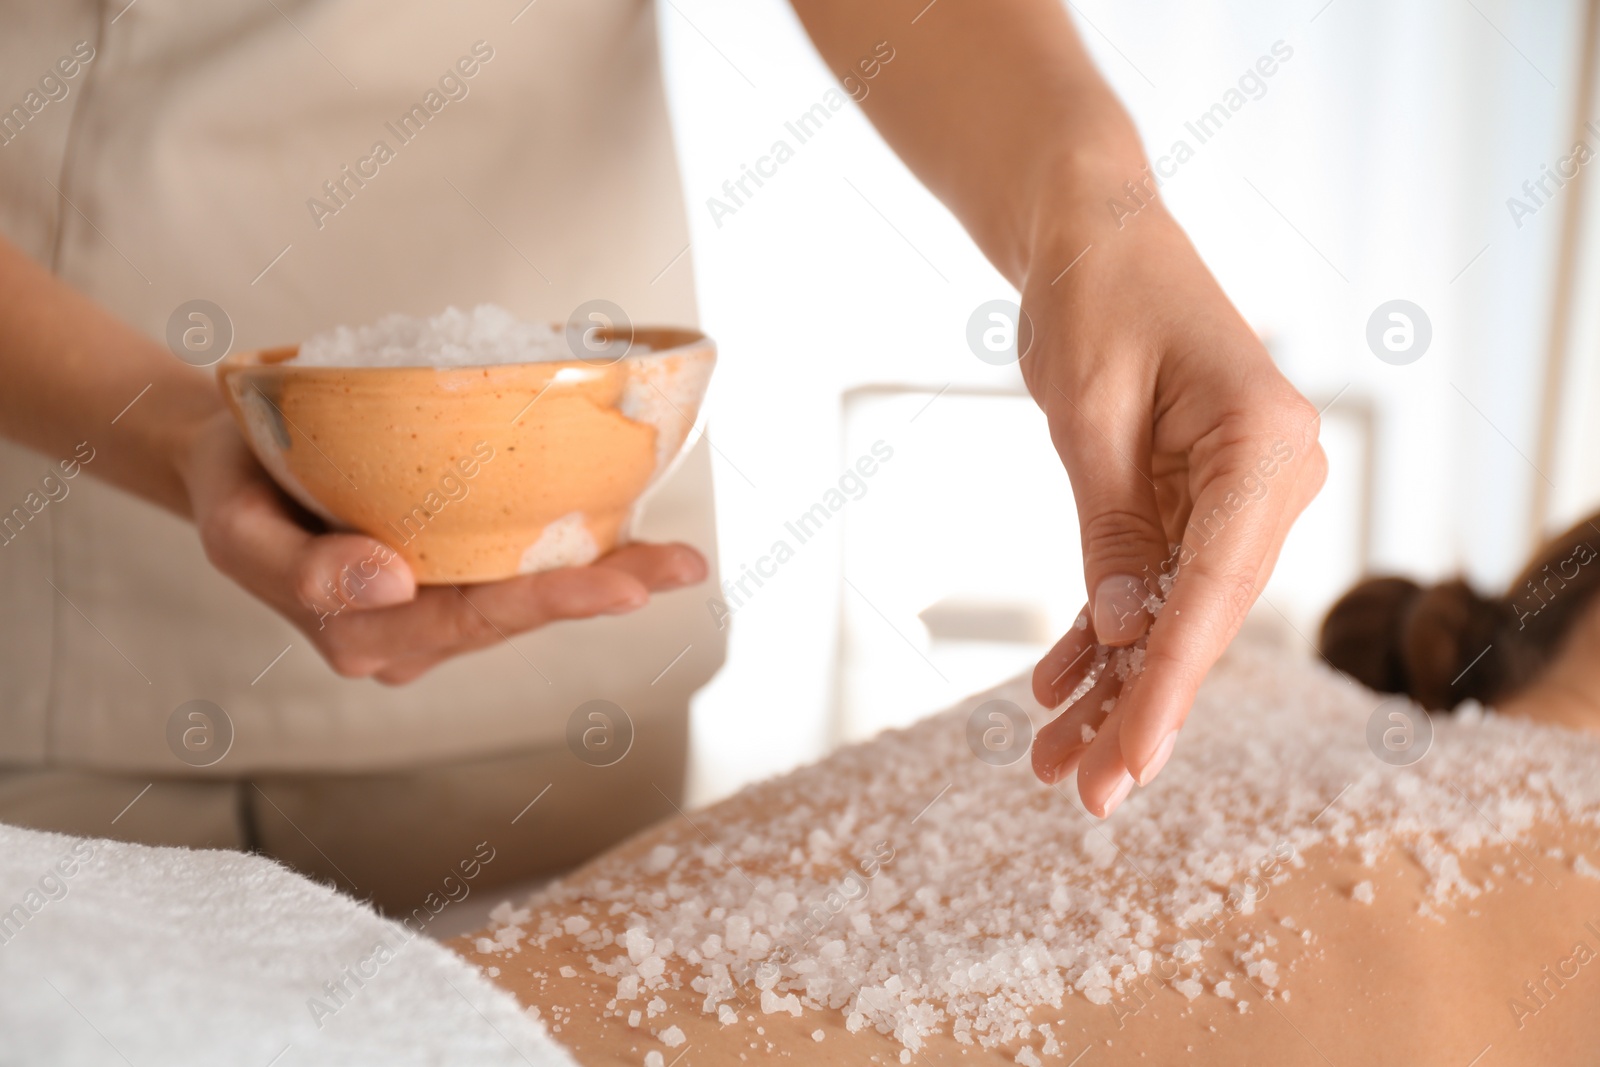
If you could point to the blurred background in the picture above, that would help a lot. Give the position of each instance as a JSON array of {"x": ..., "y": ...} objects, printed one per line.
[{"x": 1384, "y": 160}]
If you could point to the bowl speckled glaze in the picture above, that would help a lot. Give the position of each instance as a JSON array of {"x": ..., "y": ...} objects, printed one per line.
[{"x": 474, "y": 474}]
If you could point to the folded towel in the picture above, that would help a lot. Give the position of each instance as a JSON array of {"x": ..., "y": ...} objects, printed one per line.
[{"x": 120, "y": 954}]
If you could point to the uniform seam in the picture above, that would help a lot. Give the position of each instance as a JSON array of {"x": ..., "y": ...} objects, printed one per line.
[{"x": 57, "y": 630}]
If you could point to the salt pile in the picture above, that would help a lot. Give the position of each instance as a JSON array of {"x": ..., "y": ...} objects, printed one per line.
[
  {"x": 484, "y": 336},
  {"x": 905, "y": 886}
]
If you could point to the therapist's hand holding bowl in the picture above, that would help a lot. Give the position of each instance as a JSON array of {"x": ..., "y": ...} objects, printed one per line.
[{"x": 461, "y": 504}]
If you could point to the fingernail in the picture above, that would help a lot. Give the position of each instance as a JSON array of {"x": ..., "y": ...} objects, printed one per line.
[
  {"x": 1158, "y": 759},
  {"x": 1067, "y": 765},
  {"x": 1119, "y": 615},
  {"x": 390, "y": 586},
  {"x": 1117, "y": 796},
  {"x": 692, "y": 570}
]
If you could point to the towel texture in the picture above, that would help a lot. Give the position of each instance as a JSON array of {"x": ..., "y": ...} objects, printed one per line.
[{"x": 120, "y": 954}]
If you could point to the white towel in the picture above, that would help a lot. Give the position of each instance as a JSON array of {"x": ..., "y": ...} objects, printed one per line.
[{"x": 121, "y": 954}]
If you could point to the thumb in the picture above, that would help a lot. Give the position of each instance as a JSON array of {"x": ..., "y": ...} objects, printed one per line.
[
  {"x": 1124, "y": 541},
  {"x": 334, "y": 572}
]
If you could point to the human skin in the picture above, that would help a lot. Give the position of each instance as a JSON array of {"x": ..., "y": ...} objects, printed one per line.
[
  {"x": 1377, "y": 983},
  {"x": 70, "y": 368},
  {"x": 1161, "y": 401}
]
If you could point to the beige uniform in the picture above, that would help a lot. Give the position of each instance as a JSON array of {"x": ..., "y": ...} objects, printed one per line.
[{"x": 161, "y": 152}]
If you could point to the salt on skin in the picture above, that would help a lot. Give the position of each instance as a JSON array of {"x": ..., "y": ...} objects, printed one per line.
[{"x": 1011, "y": 930}]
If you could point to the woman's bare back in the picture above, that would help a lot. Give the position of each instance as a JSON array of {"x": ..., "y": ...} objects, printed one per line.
[{"x": 1290, "y": 891}]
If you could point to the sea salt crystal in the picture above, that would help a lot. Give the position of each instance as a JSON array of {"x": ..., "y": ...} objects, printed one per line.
[
  {"x": 569, "y": 972},
  {"x": 817, "y": 1035},
  {"x": 661, "y": 857},
  {"x": 1582, "y": 867},
  {"x": 1086, "y": 732},
  {"x": 653, "y": 1058},
  {"x": 672, "y": 1037},
  {"x": 635, "y": 1017},
  {"x": 1189, "y": 987},
  {"x": 574, "y": 924},
  {"x": 771, "y": 1003},
  {"x": 1010, "y": 931},
  {"x": 504, "y": 914},
  {"x": 484, "y": 336},
  {"x": 1028, "y": 1058},
  {"x": 1051, "y": 1046},
  {"x": 639, "y": 944},
  {"x": 1363, "y": 893}
]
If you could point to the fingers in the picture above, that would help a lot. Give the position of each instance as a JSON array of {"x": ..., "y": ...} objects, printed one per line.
[
  {"x": 1062, "y": 742},
  {"x": 358, "y": 601},
  {"x": 1085, "y": 738},
  {"x": 659, "y": 567},
  {"x": 252, "y": 537},
  {"x": 398, "y": 644},
  {"x": 445, "y": 621},
  {"x": 615, "y": 584},
  {"x": 338, "y": 571},
  {"x": 1232, "y": 539},
  {"x": 1065, "y": 665},
  {"x": 1103, "y": 778},
  {"x": 1105, "y": 446},
  {"x": 250, "y": 533}
]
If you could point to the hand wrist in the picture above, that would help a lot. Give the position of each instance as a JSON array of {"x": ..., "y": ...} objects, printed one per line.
[
  {"x": 1082, "y": 197},
  {"x": 175, "y": 414},
  {"x": 1064, "y": 196}
]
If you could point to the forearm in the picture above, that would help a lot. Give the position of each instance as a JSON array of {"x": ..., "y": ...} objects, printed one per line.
[
  {"x": 72, "y": 370},
  {"x": 994, "y": 104}
]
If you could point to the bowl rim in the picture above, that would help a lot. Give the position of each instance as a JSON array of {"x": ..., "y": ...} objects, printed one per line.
[{"x": 280, "y": 358}]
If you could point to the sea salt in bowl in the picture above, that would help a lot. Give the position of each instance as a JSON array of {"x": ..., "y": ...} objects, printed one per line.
[{"x": 474, "y": 445}]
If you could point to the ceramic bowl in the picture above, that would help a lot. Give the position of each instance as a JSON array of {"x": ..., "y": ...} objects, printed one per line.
[{"x": 474, "y": 474}]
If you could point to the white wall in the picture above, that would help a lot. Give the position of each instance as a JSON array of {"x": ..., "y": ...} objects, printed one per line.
[{"x": 1376, "y": 166}]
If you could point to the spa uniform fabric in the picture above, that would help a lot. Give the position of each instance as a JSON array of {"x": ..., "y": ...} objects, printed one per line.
[{"x": 207, "y": 152}]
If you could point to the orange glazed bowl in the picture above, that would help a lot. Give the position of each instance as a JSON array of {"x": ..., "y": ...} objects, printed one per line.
[{"x": 476, "y": 473}]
